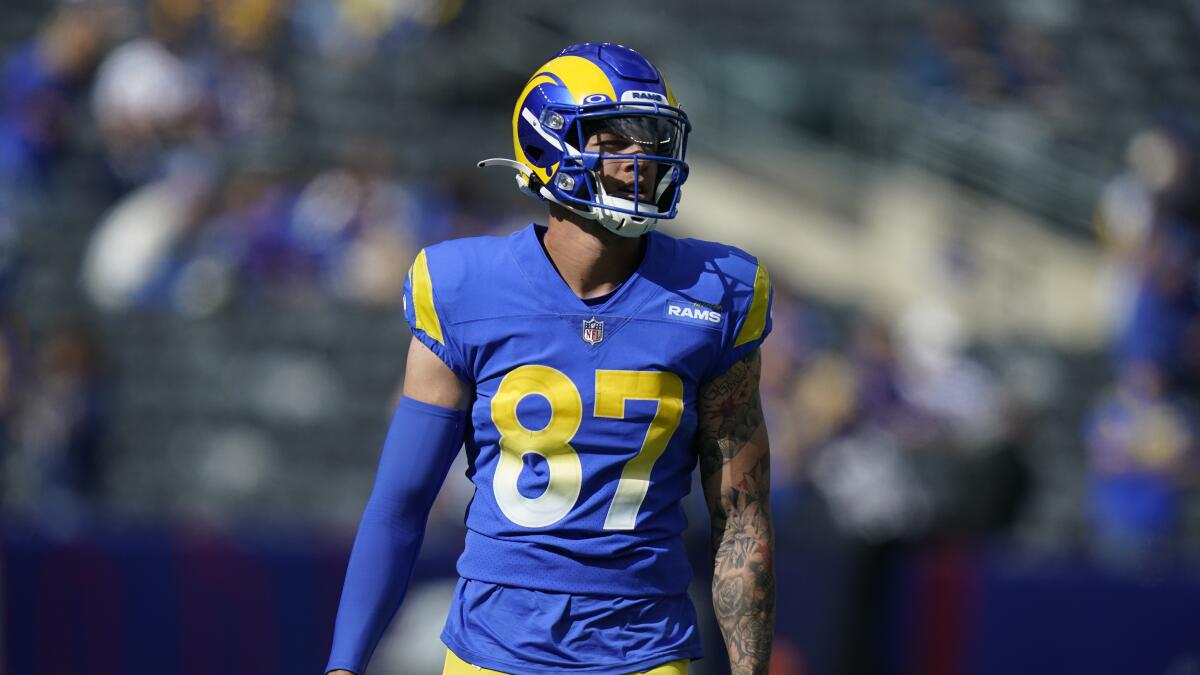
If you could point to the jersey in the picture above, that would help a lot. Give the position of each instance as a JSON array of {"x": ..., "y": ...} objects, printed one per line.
[
  {"x": 456, "y": 666},
  {"x": 582, "y": 437}
]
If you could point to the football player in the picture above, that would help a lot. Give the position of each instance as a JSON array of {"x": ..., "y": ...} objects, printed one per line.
[{"x": 588, "y": 365}]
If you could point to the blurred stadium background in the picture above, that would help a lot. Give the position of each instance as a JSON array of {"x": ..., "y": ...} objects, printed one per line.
[{"x": 983, "y": 217}]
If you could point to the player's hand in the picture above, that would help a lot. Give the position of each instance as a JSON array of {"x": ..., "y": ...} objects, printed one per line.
[{"x": 339, "y": 672}]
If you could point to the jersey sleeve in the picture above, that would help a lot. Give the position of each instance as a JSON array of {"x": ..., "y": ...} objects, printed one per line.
[
  {"x": 428, "y": 318},
  {"x": 750, "y": 324}
]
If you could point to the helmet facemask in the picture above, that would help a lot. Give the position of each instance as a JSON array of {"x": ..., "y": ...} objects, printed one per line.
[{"x": 622, "y": 165}]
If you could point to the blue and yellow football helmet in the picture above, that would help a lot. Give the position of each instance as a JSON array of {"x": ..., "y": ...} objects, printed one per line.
[{"x": 588, "y": 88}]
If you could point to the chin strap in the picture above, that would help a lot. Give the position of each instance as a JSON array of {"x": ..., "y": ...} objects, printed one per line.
[{"x": 624, "y": 224}]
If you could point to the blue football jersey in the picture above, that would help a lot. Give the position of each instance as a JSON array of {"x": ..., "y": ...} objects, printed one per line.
[{"x": 582, "y": 440}]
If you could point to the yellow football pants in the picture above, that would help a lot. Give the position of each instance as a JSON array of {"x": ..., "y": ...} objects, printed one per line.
[{"x": 456, "y": 666}]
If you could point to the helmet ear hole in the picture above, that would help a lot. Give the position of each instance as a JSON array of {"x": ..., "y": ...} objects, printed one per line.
[{"x": 534, "y": 153}]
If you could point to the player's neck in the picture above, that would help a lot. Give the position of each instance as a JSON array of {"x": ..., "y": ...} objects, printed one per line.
[{"x": 592, "y": 260}]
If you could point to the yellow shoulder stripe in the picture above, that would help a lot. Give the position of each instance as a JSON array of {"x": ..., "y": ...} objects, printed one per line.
[
  {"x": 422, "y": 297},
  {"x": 756, "y": 318}
]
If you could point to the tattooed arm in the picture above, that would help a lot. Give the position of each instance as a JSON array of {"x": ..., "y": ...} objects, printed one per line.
[{"x": 735, "y": 469}]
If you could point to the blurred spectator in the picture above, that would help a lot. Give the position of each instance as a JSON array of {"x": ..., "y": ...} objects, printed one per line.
[
  {"x": 953, "y": 56},
  {"x": 876, "y": 373},
  {"x": 795, "y": 420},
  {"x": 201, "y": 77},
  {"x": 1125, "y": 213},
  {"x": 14, "y": 380},
  {"x": 241, "y": 71},
  {"x": 1141, "y": 457},
  {"x": 177, "y": 24},
  {"x": 61, "y": 427},
  {"x": 956, "y": 395},
  {"x": 1141, "y": 436},
  {"x": 146, "y": 100},
  {"x": 1032, "y": 63},
  {"x": 1002, "y": 68},
  {"x": 350, "y": 32},
  {"x": 1163, "y": 326},
  {"x": 247, "y": 232},
  {"x": 133, "y": 241},
  {"x": 355, "y": 222},
  {"x": 1136, "y": 198},
  {"x": 189, "y": 244},
  {"x": 1162, "y": 323},
  {"x": 42, "y": 80},
  {"x": 246, "y": 25},
  {"x": 247, "y": 97}
]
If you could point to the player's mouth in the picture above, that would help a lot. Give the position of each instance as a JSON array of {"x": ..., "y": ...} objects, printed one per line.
[{"x": 642, "y": 195}]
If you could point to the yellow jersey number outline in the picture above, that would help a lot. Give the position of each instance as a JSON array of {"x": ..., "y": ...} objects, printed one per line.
[{"x": 553, "y": 441}]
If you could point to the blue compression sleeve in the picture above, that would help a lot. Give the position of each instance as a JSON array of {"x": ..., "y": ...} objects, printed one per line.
[{"x": 420, "y": 446}]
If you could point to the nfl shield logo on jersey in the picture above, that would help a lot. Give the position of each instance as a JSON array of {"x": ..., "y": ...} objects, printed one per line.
[{"x": 593, "y": 330}]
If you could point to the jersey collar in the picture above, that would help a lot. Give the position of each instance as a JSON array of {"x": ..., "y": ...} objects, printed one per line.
[{"x": 553, "y": 290}]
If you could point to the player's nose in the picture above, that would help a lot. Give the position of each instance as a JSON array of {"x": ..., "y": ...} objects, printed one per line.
[{"x": 628, "y": 163}]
